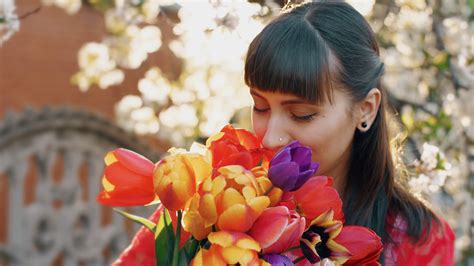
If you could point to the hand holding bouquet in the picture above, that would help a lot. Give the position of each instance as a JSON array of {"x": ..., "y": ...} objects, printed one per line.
[{"x": 233, "y": 201}]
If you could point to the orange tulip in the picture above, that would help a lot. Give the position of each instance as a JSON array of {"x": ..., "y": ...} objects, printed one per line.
[
  {"x": 177, "y": 177},
  {"x": 278, "y": 229},
  {"x": 211, "y": 256},
  {"x": 127, "y": 180},
  {"x": 229, "y": 247},
  {"x": 233, "y": 200},
  {"x": 236, "y": 147}
]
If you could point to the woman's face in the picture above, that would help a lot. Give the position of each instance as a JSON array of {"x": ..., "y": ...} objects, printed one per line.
[{"x": 328, "y": 129}]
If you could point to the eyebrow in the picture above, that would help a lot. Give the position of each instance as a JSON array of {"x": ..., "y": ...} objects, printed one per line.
[{"x": 286, "y": 102}]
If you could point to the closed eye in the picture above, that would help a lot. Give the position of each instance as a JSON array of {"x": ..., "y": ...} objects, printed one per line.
[
  {"x": 305, "y": 118},
  {"x": 255, "y": 109}
]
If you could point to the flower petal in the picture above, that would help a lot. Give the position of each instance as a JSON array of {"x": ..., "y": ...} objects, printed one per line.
[
  {"x": 277, "y": 259},
  {"x": 291, "y": 235},
  {"x": 283, "y": 156},
  {"x": 134, "y": 161},
  {"x": 315, "y": 197},
  {"x": 363, "y": 243},
  {"x": 236, "y": 218},
  {"x": 270, "y": 225},
  {"x": 209, "y": 257},
  {"x": 284, "y": 175},
  {"x": 231, "y": 197},
  {"x": 302, "y": 156},
  {"x": 122, "y": 177}
]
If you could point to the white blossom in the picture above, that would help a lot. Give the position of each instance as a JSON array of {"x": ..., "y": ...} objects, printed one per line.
[
  {"x": 9, "y": 22},
  {"x": 70, "y": 6}
]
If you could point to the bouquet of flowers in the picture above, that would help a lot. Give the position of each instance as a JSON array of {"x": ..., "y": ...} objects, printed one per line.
[{"x": 234, "y": 202}]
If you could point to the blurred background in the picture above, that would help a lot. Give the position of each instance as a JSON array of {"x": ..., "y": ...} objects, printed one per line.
[{"x": 81, "y": 77}]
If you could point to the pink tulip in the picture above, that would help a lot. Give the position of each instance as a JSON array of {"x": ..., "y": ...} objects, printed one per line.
[{"x": 278, "y": 229}]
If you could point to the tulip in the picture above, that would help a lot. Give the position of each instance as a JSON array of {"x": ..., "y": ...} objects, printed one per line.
[
  {"x": 141, "y": 250},
  {"x": 277, "y": 259},
  {"x": 273, "y": 193},
  {"x": 318, "y": 242},
  {"x": 316, "y": 197},
  {"x": 232, "y": 200},
  {"x": 236, "y": 147},
  {"x": 211, "y": 256},
  {"x": 127, "y": 179},
  {"x": 291, "y": 167},
  {"x": 228, "y": 247},
  {"x": 177, "y": 177},
  {"x": 278, "y": 229},
  {"x": 193, "y": 222},
  {"x": 364, "y": 245}
]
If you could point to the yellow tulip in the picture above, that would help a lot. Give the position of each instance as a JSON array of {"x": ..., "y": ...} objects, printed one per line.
[
  {"x": 177, "y": 177},
  {"x": 193, "y": 221},
  {"x": 229, "y": 247},
  {"x": 231, "y": 201},
  {"x": 274, "y": 193}
]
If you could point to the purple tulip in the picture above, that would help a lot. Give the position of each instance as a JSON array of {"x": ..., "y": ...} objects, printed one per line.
[
  {"x": 291, "y": 167},
  {"x": 276, "y": 259}
]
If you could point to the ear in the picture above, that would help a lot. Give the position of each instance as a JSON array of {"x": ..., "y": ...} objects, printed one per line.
[{"x": 368, "y": 108}]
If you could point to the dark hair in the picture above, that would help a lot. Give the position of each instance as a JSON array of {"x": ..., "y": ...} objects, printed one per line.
[{"x": 305, "y": 52}]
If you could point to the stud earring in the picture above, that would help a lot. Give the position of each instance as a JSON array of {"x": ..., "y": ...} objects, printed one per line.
[
  {"x": 364, "y": 125},
  {"x": 280, "y": 139}
]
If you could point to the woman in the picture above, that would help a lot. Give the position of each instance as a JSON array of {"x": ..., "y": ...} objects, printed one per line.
[{"x": 314, "y": 74}]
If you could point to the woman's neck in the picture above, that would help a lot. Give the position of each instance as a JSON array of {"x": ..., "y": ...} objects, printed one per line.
[{"x": 340, "y": 183}]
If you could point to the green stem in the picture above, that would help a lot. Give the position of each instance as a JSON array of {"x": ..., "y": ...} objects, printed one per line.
[
  {"x": 177, "y": 239},
  {"x": 293, "y": 248},
  {"x": 298, "y": 260}
]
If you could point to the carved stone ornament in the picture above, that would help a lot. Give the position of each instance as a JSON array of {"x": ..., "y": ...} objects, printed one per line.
[{"x": 51, "y": 163}]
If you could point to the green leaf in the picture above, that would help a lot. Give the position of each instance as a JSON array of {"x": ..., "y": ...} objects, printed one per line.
[
  {"x": 184, "y": 260},
  {"x": 189, "y": 249},
  {"x": 138, "y": 219},
  {"x": 164, "y": 240},
  {"x": 194, "y": 247}
]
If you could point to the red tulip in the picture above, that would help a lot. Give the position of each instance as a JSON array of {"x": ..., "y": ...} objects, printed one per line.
[
  {"x": 316, "y": 197},
  {"x": 127, "y": 180},
  {"x": 278, "y": 229},
  {"x": 141, "y": 250},
  {"x": 364, "y": 245}
]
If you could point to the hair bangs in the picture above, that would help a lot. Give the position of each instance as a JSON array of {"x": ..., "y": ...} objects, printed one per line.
[{"x": 290, "y": 58}]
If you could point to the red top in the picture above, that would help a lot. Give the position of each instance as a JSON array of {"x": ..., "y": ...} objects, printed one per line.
[{"x": 438, "y": 249}]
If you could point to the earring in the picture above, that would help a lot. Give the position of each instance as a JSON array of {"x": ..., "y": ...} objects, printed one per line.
[
  {"x": 280, "y": 139},
  {"x": 364, "y": 125}
]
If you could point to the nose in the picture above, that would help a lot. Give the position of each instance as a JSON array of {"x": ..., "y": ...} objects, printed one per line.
[{"x": 276, "y": 135}]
